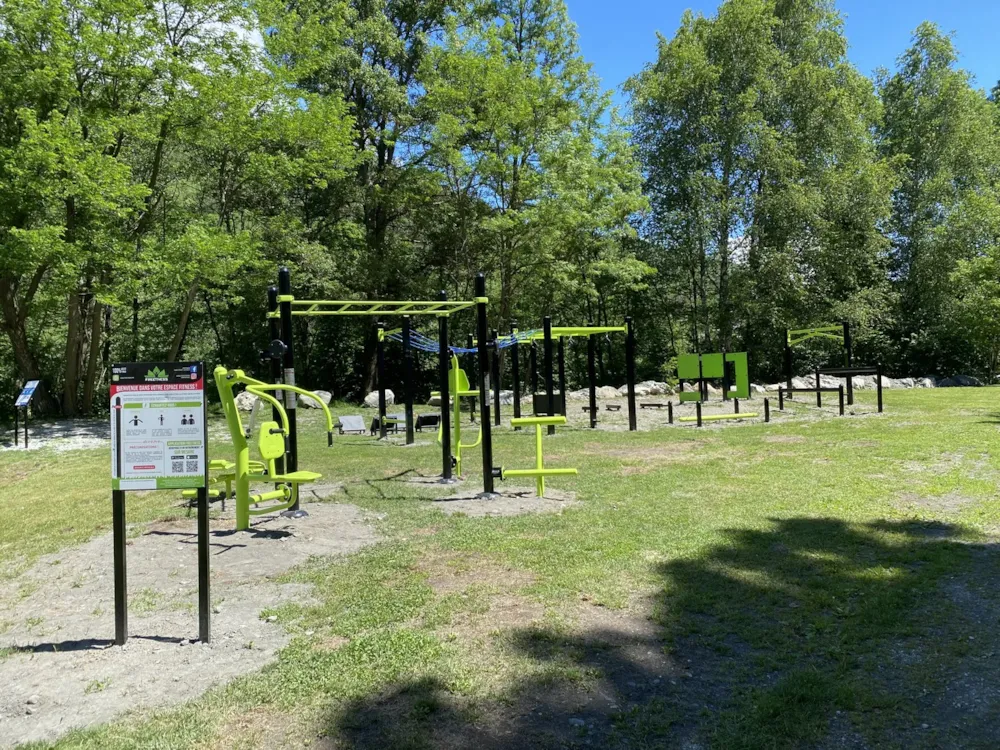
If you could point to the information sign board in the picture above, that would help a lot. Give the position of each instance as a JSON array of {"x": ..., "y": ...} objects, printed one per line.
[
  {"x": 158, "y": 432},
  {"x": 26, "y": 393}
]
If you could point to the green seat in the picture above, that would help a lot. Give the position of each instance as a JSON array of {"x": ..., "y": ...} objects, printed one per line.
[{"x": 271, "y": 444}]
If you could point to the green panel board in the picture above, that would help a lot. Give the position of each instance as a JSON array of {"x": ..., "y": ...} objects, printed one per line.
[
  {"x": 739, "y": 359},
  {"x": 687, "y": 366},
  {"x": 688, "y": 396},
  {"x": 711, "y": 365}
]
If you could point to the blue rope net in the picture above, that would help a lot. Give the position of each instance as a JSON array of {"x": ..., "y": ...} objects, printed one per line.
[{"x": 429, "y": 345}]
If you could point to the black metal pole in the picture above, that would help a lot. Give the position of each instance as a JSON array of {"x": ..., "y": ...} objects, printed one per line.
[
  {"x": 841, "y": 400},
  {"x": 878, "y": 381},
  {"x": 670, "y": 412},
  {"x": 515, "y": 366},
  {"x": 630, "y": 372},
  {"x": 285, "y": 289},
  {"x": 736, "y": 406},
  {"x": 697, "y": 408},
  {"x": 592, "y": 375},
  {"x": 849, "y": 359},
  {"x": 121, "y": 576},
  {"x": 725, "y": 378},
  {"x": 274, "y": 331},
  {"x": 17, "y": 429},
  {"x": 781, "y": 399},
  {"x": 533, "y": 364},
  {"x": 788, "y": 366},
  {"x": 444, "y": 364},
  {"x": 550, "y": 402},
  {"x": 819, "y": 393},
  {"x": 767, "y": 410},
  {"x": 27, "y": 409},
  {"x": 495, "y": 370},
  {"x": 408, "y": 379},
  {"x": 561, "y": 350},
  {"x": 380, "y": 375},
  {"x": 204, "y": 542},
  {"x": 482, "y": 333}
]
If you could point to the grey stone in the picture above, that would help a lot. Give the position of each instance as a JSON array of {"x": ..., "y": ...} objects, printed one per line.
[
  {"x": 308, "y": 403},
  {"x": 959, "y": 381},
  {"x": 245, "y": 401},
  {"x": 371, "y": 400}
]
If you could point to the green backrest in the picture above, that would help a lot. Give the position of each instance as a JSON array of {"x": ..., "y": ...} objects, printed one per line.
[
  {"x": 687, "y": 366},
  {"x": 711, "y": 365},
  {"x": 457, "y": 379},
  {"x": 271, "y": 445}
]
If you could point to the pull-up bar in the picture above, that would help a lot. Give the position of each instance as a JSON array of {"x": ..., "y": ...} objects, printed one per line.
[{"x": 282, "y": 307}]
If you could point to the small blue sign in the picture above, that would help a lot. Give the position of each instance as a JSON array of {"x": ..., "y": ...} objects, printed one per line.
[{"x": 25, "y": 398}]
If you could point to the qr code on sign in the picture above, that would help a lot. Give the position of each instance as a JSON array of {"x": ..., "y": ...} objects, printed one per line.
[
  {"x": 177, "y": 466},
  {"x": 192, "y": 466}
]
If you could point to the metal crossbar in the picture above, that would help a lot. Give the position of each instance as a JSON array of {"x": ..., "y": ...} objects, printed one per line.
[
  {"x": 804, "y": 334},
  {"x": 566, "y": 331},
  {"x": 356, "y": 308}
]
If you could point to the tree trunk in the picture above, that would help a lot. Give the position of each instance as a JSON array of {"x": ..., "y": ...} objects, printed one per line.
[
  {"x": 71, "y": 354},
  {"x": 13, "y": 320},
  {"x": 93, "y": 356},
  {"x": 182, "y": 324}
]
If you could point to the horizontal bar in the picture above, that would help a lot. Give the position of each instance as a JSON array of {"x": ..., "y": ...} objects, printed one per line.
[
  {"x": 717, "y": 417},
  {"x": 539, "y": 472},
  {"x": 566, "y": 331},
  {"x": 844, "y": 371},
  {"x": 315, "y": 307},
  {"x": 810, "y": 390},
  {"x": 528, "y": 421}
]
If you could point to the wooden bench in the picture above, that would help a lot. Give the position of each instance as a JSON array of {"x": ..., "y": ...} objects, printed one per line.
[
  {"x": 653, "y": 405},
  {"x": 613, "y": 407}
]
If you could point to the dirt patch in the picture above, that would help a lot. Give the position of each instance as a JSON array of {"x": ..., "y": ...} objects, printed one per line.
[
  {"x": 508, "y": 501},
  {"x": 783, "y": 439},
  {"x": 63, "y": 672},
  {"x": 953, "y": 502},
  {"x": 451, "y": 572}
]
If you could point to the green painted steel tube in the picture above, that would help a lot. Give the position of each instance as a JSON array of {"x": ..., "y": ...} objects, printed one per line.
[
  {"x": 539, "y": 472},
  {"x": 529, "y": 421}
]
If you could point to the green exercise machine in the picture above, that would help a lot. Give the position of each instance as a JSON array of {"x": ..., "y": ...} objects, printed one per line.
[{"x": 732, "y": 368}]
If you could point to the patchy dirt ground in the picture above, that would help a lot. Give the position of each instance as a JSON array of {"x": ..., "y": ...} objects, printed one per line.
[
  {"x": 509, "y": 500},
  {"x": 58, "y": 618},
  {"x": 75, "y": 434}
]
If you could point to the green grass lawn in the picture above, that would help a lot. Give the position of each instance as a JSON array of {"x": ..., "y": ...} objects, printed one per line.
[{"x": 808, "y": 583}]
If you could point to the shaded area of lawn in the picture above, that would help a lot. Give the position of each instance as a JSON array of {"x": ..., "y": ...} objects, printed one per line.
[{"x": 814, "y": 633}]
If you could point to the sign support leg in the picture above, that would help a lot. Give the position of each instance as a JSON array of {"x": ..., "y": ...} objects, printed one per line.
[{"x": 121, "y": 588}]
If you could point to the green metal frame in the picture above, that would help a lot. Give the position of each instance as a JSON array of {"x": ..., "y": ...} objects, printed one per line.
[
  {"x": 244, "y": 471},
  {"x": 797, "y": 336},
  {"x": 719, "y": 417},
  {"x": 568, "y": 331},
  {"x": 713, "y": 366},
  {"x": 345, "y": 308},
  {"x": 458, "y": 387},
  {"x": 540, "y": 471}
]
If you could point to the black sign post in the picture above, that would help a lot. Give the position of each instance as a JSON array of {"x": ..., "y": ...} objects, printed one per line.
[
  {"x": 159, "y": 440},
  {"x": 23, "y": 402}
]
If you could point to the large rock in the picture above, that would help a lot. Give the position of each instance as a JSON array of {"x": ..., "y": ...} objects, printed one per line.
[
  {"x": 863, "y": 382},
  {"x": 371, "y": 400},
  {"x": 506, "y": 397},
  {"x": 905, "y": 383},
  {"x": 806, "y": 382},
  {"x": 771, "y": 387},
  {"x": 432, "y": 401},
  {"x": 924, "y": 383},
  {"x": 245, "y": 401},
  {"x": 758, "y": 388},
  {"x": 607, "y": 391},
  {"x": 959, "y": 381},
  {"x": 582, "y": 394},
  {"x": 325, "y": 397}
]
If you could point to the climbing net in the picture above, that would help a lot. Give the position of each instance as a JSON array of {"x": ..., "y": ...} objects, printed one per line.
[{"x": 427, "y": 344}]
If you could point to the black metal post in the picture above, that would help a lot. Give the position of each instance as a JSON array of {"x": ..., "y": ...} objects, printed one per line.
[
  {"x": 17, "y": 429},
  {"x": 444, "y": 364},
  {"x": 767, "y": 410},
  {"x": 274, "y": 331},
  {"x": 408, "y": 379},
  {"x": 849, "y": 360},
  {"x": 533, "y": 364},
  {"x": 515, "y": 366},
  {"x": 702, "y": 384},
  {"x": 878, "y": 382},
  {"x": 380, "y": 375},
  {"x": 204, "y": 570},
  {"x": 592, "y": 375},
  {"x": 670, "y": 412},
  {"x": 630, "y": 373},
  {"x": 725, "y": 378},
  {"x": 285, "y": 289},
  {"x": 562, "y": 373},
  {"x": 121, "y": 577},
  {"x": 495, "y": 362},
  {"x": 781, "y": 399},
  {"x": 550, "y": 401},
  {"x": 788, "y": 366},
  {"x": 819, "y": 393},
  {"x": 482, "y": 333},
  {"x": 697, "y": 408},
  {"x": 736, "y": 406},
  {"x": 841, "y": 400}
]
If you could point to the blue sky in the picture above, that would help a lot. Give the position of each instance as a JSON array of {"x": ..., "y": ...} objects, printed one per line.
[{"x": 619, "y": 36}]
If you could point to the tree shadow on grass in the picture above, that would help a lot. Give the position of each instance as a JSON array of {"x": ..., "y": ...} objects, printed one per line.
[{"x": 809, "y": 633}]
